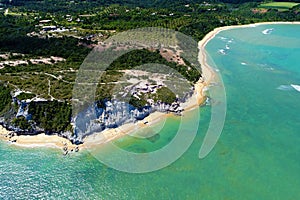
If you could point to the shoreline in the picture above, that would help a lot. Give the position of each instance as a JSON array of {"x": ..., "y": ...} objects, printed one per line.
[
  {"x": 107, "y": 135},
  {"x": 40, "y": 140}
]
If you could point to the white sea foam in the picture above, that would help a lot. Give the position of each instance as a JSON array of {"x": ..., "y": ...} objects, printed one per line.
[
  {"x": 266, "y": 67},
  {"x": 285, "y": 87},
  {"x": 296, "y": 87},
  {"x": 227, "y": 46},
  {"x": 222, "y": 51},
  {"x": 207, "y": 101},
  {"x": 262, "y": 65},
  {"x": 270, "y": 68},
  {"x": 223, "y": 38},
  {"x": 243, "y": 63},
  {"x": 267, "y": 31}
]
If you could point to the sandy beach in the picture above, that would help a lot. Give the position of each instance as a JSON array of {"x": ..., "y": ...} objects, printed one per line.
[
  {"x": 112, "y": 134},
  {"x": 41, "y": 140},
  {"x": 197, "y": 99},
  {"x": 4, "y": 132}
]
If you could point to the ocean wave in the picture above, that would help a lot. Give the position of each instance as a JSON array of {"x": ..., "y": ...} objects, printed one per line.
[
  {"x": 262, "y": 65},
  {"x": 223, "y": 38},
  {"x": 207, "y": 101},
  {"x": 266, "y": 67},
  {"x": 243, "y": 63},
  {"x": 268, "y": 31},
  {"x": 285, "y": 87},
  {"x": 227, "y": 46},
  {"x": 296, "y": 87},
  {"x": 222, "y": 51},
  {"x": 270, "y": 68}
]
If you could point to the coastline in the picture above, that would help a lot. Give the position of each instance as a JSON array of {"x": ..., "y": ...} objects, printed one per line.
[
  {"x": 40, "y": 140},
  {"x": 107, "y": 135},
  {"x": 198, "y": 98}
]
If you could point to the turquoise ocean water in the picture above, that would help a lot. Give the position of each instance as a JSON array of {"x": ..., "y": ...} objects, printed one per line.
[{"x": 256, "y": 157}]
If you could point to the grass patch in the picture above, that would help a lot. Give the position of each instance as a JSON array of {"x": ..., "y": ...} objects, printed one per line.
[
  {"x": 24, "y": 96},
  {"x": 281, "y": 6}
]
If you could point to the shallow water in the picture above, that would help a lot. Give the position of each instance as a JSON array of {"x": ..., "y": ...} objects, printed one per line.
[{"x": 256, "y": 157}]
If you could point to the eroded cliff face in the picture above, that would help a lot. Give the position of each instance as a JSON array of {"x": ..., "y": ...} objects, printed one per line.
[
  {"x": 29, "y": 117},
  {"x": 95, "y": 118},
  {"x": 19, "y": 110},
  {"x": 113, "y": 114}
]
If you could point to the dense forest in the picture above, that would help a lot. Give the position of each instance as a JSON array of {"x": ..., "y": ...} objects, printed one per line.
[
  {"x": 5, "y": 98},
  {"x": 53, "y": 116}
]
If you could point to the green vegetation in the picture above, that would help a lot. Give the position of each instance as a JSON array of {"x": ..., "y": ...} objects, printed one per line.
[
  {"x": 137, "y": 103},
  {"x": 165, "y": 95},
  {"x": 22, "y": 123},
  {"x": 104, "y": 92},
  {"x": 52, "y": 116},
  {"x": 24, "y": 96},
  {"x": 66, "y": 47},
  {"x": 139, "y": 57},
  {"x": 281, "y": 6},
  {"x": 5, "y": 98}
]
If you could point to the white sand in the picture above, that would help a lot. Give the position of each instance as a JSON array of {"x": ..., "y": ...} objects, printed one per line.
[{"x": 40, "y": 140}]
